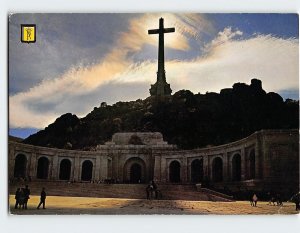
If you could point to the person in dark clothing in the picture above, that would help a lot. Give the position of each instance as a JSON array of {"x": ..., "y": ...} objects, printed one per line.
[
  {"x": 297, "y": 202},
  {"x": 279, "y": 200},
  {"x": 43, "y": 199},
  {"x": 22, "y": 198},
  {"x": 27, "y": 197},
  {"x": 296, "y": 199},
  {"x": 17, "y": 197},
  {"x": 251, "y": 200},
  {"x": 254, "y": 199},
  {"x": 154, "y": 189},
  {"x": 149, "y": 190}
]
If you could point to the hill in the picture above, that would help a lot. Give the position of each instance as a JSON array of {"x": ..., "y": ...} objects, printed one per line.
[{"x": 185, "y": 119}]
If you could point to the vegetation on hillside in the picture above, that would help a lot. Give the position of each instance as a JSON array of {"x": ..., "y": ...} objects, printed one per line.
[{"x": 185, "y": 119}]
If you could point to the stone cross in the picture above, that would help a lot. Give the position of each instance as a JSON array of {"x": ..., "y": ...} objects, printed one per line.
[{"x": 161, "y": 87}]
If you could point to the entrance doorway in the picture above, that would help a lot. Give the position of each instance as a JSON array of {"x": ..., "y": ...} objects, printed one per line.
[
  {"x": 174, "y": 172},
  {"x": 135, "y": 173}
]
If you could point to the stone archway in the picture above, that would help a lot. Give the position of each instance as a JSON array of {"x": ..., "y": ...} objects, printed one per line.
[
  {"x": 42, "y": 168},
  {"x": 65, "y": 169},
  {"x": 135, "y": 171},
  {"x": 217, "y": 170},
  {"x": 20, "y": 166},
  {"x": 197, "y": 171},
  {"x": 236, "y": 167},
  {"x": 174, "y": 172},
  {"x": 87, "y": 170}
]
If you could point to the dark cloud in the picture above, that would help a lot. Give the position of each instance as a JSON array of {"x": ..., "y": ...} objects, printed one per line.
[{"x": 63, "y": 41}]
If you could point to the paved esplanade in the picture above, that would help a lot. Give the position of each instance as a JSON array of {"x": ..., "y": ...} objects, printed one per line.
[{"x": 161, "y": 87}]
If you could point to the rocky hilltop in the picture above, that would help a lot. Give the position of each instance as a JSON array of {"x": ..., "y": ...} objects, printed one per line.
[{"x": 185, "y": 119}]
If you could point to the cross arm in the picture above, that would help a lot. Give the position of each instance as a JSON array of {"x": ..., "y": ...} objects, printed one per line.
[
  {"x": 167, "y": 30},
  {"x": 153, "y": 31}
]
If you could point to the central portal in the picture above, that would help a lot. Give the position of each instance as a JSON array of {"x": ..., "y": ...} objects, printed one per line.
[{"x": 135, "y": 173}]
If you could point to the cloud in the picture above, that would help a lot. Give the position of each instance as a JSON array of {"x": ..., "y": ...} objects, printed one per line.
[
  {"x": 224, "y": 36},
  {"x": 187, "y": 26},
  {"x": 228, "y": 59}
]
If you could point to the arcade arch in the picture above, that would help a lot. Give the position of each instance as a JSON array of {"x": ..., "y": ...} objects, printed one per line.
[
  {"x": 65, "y": 169},
  {"x": 135, "y": 171},
  {"x": 236, "y": 167},
  {"x": 217, "y": 169},
  {"x": 174, "y": 172},
  {"x": 42, "y": 168},
  {"x": 197, "y": 170},
  {"x": 20, "y": 166},
  {"x": 87, "y": 170}
]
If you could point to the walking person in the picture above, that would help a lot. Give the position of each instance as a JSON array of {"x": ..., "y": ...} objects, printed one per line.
[
  {"x": 22, "y": 198},
  {"x": 254, "y": 199},
  {"x": 149, "y": 189},
  {"x": 27, "y": 196},
  {"x": 251, "y": 200},
  {"x": 17, "y": 197},
  {"x": 43, "y": 199}
]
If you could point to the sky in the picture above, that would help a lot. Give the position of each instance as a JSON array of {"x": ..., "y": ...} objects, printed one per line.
[{"x": 81, "y": 60}]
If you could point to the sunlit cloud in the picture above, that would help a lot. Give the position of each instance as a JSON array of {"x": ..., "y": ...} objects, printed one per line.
[{"x": 228, "y": 59}]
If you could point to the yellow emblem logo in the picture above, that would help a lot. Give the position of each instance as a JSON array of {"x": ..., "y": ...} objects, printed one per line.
[{"x": 28, "y": 33}]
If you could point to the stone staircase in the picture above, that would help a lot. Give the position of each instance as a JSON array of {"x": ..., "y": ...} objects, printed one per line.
[{"x": 132, "y": 191}]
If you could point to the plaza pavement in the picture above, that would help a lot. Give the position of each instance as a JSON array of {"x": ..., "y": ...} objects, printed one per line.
[{"x": 108, "y": 206}]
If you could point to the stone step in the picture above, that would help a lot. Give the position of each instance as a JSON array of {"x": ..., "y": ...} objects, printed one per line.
[{"x": 135, "y": 191}]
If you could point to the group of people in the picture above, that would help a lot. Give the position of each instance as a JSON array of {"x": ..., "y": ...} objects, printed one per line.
[
  {"x": 22, "y": 196},
  {"x": 152, "y": 191},
  {"x": 275, "y": 199}
]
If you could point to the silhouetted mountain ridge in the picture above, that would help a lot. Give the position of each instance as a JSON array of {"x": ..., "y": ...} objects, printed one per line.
[{"x": 186, "y": 119}]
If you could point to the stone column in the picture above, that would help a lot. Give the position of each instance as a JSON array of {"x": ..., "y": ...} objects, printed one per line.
[
  {"x": 32, "y": 167},
  {"x": 97, "y": 168},
  {"x": 72, "y": 169},
  {"x": 258, "y": 163},
  {"x": 184, "y": 170},
  {"x": 76, "y": 168},
  {"x": 11, "y": 161},
  {"x": 243, "y": 164},
  {"x": 55, "y": 168},
  {"x": 206, "y": 169},
  {"x": 157, "y": 169},
  {"x": 226, "y": 176},
  {"x": 103, "y": 167},
  {"x": 163, "y": 171},
  {"x": 50, "y": 167}
]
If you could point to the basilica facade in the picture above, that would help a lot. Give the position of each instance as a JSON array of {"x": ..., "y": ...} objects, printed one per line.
[{"x": 267, "y": 159}]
